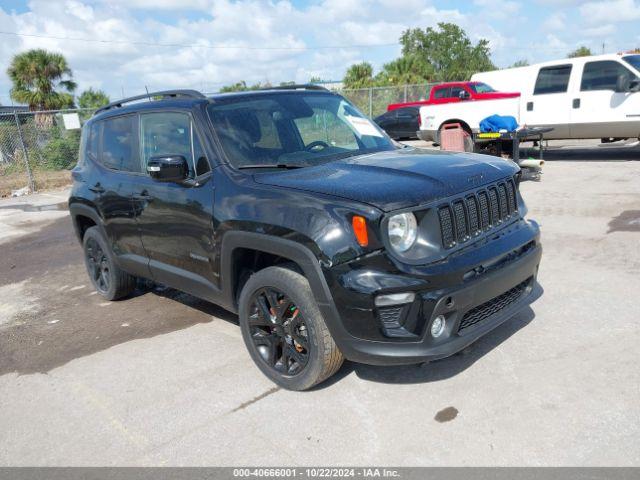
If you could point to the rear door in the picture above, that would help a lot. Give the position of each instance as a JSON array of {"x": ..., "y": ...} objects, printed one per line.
[
  {"x": 600, "y": 108},
  {"x": 549, "y": 104},
  {"x": 119, "y": 174},
  {"x": 176, "y": 219}
]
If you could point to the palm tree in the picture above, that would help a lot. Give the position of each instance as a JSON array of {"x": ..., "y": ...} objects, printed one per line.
[
  {"x": 359, "y": 75},
  {"x": 40, "y": 79}
]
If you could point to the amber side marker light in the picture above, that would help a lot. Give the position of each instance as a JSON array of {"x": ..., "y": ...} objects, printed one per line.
[{"x": 360, "y": 229}]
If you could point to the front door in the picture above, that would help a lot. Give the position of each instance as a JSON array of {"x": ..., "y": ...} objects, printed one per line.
[
  {"x": 549, "y": 105},
  {"x": 176, "y": 219},
  {"x": 602, "y": 108},
  {"x": 118, "y": 160}
]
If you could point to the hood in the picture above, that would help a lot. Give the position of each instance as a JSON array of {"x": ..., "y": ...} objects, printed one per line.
[{"x": 395, "y": 179}]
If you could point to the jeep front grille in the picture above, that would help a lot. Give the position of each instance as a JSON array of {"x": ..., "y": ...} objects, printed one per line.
[
  {"x": 466, "y": 217},
  {"x": 493, "y": 306}
]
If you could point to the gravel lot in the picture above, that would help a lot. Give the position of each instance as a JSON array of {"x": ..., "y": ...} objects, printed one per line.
[{"x": 164, "y": 379}]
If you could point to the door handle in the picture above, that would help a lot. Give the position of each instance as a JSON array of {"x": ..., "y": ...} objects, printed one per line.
[
  {"x": 529, "y": 106},
  {"x": 97, "y": 188},
  {"x": 576, "y": 103}
]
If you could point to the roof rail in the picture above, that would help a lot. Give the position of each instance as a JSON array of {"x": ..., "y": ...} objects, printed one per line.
[
  {"x": 163, "y": 94},
  {"x": 297, "y": 86}
]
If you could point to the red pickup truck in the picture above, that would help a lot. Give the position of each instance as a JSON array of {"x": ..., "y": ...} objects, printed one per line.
[{"x": 456, "y": 92}]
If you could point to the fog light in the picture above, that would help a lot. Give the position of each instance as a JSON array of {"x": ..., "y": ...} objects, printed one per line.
[
  {"x": 437, "y": 326},
  {"x": 394, "y": 299}
]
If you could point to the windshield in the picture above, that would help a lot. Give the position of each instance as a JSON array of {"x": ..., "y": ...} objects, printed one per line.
[
  {"x": 296, "y": 129},
  {"x": 481, "y": 88},
  {"x": 633, "y": 60}
]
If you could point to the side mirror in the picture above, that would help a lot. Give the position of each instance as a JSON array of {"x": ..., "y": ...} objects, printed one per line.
[
  {"x": 634, "y": 85},
  {"x": 171, "y": 168},
  {"x": 623, "y": 84},
  {"x": 464, "y": 95}
]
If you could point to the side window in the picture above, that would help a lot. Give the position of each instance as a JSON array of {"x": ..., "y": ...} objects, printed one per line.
[
  {"x": 455, "y": 92},
  {"x": 602, "y": 75},
  {"x": 119, "y": 149},
  {"x": 172, "y": 133},
  {"x": 553, "y": 79},
  {"x": 441, "y": 93},
  {"x": 392, "y": 115},
  {"x": 405, "y": 113}
]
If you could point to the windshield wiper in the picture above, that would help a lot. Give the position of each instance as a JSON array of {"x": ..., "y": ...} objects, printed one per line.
[{"x": 275, "y": 165}]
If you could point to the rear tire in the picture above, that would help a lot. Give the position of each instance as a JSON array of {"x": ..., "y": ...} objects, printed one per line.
[
  {"x": 284, "y": 331},
  {"x": 107, "y": 278}
]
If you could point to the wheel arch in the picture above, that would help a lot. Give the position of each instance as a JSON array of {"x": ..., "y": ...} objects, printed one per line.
[
  {"x": 292, "y": 252},
  {"x": 268, "y": 251},
  {"x": 84, "y": 217}
]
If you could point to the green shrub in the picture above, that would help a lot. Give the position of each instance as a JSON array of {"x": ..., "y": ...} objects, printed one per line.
[{"x": 61, "y": 151}]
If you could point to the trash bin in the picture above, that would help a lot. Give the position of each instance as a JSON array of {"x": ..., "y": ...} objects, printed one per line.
[{"x": 454, "y": 138}]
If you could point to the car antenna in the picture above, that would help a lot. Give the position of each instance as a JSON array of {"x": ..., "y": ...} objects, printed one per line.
[{"x": 147, "y": 89}]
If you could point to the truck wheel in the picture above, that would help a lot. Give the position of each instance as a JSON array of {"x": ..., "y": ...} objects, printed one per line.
[
  {"x": 108, "y": 280},
  {"x": 284, "y": 331}
]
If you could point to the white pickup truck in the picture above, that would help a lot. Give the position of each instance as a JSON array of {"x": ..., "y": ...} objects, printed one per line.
[{"x": 585, "y": 97}]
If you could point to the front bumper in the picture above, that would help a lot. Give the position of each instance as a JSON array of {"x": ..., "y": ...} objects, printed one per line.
[{"x": 472, "y": 305}]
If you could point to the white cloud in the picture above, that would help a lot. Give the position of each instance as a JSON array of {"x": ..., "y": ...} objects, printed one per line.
[
  {"x": 610, "y": 11},
  {"x": 599, "y": 31},
  {"x": 555, "y": 22},
  {"x": 265, "y": 29},
  {"x": 162, "y": 4}
]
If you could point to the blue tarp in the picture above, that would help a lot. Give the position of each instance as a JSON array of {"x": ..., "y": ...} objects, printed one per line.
[{"x": 495, "y": 123}]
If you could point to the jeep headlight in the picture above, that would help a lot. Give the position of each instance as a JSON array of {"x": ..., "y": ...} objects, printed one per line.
[{"x": 402, "y": 230}]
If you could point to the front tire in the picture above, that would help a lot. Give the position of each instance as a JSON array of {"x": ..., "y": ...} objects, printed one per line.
[
  {"x": 284, "y": 331},
  {"x": 107, "y": 278}
]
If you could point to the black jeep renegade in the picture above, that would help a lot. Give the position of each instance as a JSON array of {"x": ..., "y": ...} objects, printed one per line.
[{"x": 291, "y": 208}]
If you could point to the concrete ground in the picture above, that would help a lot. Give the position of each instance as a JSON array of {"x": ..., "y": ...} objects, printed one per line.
[{"x": 164, "y": 379}]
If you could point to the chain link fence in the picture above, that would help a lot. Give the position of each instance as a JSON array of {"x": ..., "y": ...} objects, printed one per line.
[
  {"x": 373, "y": 101},
  {"x": 38, "y": 149}
]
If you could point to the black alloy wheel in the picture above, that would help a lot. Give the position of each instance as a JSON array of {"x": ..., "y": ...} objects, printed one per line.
[
  {"x": 98, "y": 266},
  {"x": 278, "y": 331}
]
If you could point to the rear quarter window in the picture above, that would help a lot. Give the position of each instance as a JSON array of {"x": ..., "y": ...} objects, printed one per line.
[
  {"x": 93, "y": 139},
  {"x": 553, "y": 79}
]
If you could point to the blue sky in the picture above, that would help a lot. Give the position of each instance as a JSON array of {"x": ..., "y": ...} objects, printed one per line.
[{"x": 283, "y": 40}]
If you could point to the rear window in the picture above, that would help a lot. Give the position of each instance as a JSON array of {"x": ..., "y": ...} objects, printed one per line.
[
  {"x": 603, "y": 75},
  {"x": 407, "y": 112},
  {"x": 119, "y": 144},
  {"x": 553, "y": 79}
]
